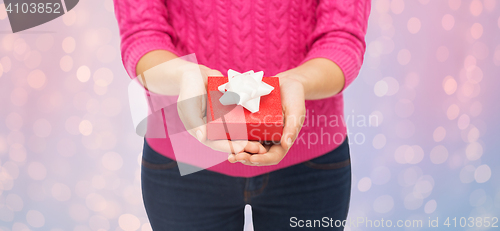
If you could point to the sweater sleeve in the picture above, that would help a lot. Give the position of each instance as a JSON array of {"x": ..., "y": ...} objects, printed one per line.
[
  {"x": 143, "y": 28},
  {"x": 339, "y": 35}
]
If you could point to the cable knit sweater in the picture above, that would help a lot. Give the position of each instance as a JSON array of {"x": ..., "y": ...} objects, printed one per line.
[{"x": 267, "y": 35}]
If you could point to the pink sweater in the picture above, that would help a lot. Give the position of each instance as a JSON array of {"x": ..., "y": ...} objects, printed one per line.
[{"x": 267, "y": 35}]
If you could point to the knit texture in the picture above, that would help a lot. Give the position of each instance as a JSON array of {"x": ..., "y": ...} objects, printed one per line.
[{"x": 268, "y": 35}]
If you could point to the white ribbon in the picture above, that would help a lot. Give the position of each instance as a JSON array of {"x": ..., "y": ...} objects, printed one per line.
[{"x": 244, "y": 89}]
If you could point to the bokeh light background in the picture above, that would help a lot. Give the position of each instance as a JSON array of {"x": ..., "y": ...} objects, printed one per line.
[{"x": 69, "y": 157}]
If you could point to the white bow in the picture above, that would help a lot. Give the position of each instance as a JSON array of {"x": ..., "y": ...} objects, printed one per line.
[{"x": 244, "y": 89}]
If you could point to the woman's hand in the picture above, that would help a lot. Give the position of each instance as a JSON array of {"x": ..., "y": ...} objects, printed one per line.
[{"x": 293, "y": 103}]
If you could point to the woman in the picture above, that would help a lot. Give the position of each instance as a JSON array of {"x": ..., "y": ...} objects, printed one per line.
[{"x": 315, "y": 47}]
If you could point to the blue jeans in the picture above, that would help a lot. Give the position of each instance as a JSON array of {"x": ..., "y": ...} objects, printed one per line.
[{"x": 315, "y": 192}]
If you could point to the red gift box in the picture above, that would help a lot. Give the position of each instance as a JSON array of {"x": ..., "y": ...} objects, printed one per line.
[{"x": 233, "y": 122}]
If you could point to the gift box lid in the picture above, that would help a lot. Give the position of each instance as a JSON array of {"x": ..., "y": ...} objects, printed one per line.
[{"x": 270, "y": 110}]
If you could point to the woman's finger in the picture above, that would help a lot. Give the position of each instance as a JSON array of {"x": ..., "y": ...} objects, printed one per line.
[
  {"x": 254, "y": 147},
  {"x": 225, "y": 145},
  {"x": 235, "y": 146},
  {"x": 243, "y": 157},
  {"x": 272, "y": 157},
  {"x": 232, "y": 158}
]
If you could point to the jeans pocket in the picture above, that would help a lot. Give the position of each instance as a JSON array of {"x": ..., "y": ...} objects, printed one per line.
[
  {"x": 335, "y": 159},
  {"x": 154, "y": 166},
  {"x": 154, "y": 160}
]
